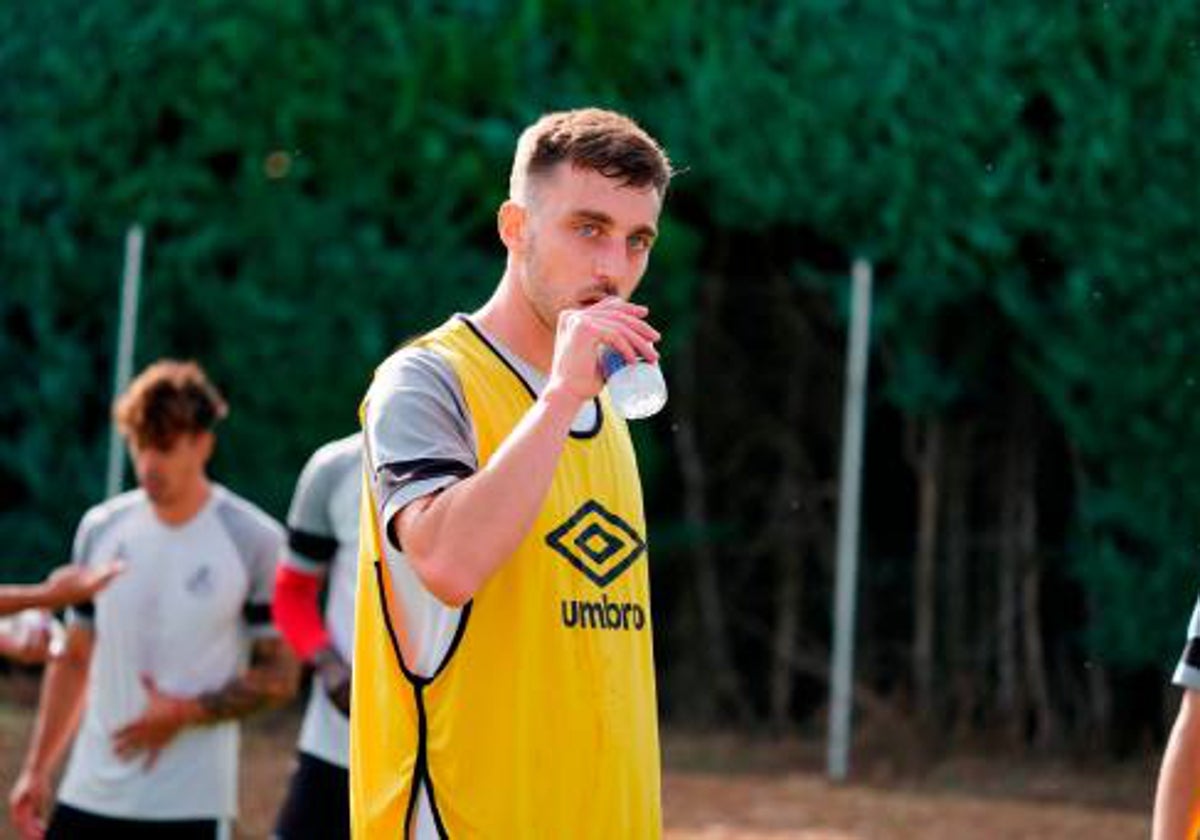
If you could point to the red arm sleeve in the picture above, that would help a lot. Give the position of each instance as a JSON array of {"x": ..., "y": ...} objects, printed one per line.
[{"x": 297, "y": 611}]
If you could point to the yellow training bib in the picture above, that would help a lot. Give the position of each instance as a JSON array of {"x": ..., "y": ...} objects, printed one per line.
[{"x": 542, "y": 720}]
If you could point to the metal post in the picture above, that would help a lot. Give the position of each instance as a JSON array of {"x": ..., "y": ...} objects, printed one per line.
[
  {"x": 838, "y": 759},
  {"x": 127, "y": 334}
]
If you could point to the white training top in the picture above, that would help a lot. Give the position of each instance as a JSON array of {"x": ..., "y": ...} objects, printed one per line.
[
  {"x": 182, "y": 612},
  {"x": 323, "y": 541}
]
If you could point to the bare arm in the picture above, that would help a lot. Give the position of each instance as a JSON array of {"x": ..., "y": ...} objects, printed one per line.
[
  {"x": 269, "y": 681},
  {"x": 1177, "y": 800},
  {"x": 14, "y": 598},
  {"x": 63, "y": 688},
  {"x": 456, "y": 539},
  {"x": 66, "y": 585}
]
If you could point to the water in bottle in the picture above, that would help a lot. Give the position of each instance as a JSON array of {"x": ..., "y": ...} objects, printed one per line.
[{"x": 636, "y": 389}]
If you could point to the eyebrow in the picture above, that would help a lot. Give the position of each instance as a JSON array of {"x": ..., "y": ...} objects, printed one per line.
[{"x": 607, "y": 220}]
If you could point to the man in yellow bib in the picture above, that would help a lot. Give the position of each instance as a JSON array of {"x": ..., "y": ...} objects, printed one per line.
[{"x": 504, "y": 671}]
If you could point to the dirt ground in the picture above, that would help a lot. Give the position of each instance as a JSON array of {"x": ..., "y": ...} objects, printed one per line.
[{"x": 723, "y": 787}]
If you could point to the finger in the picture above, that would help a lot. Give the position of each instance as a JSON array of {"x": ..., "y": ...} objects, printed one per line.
[
  {"x": 35, "y": 815},
  {"x": 23, "y": 816},
  {"x": 151, "y": 758},
  {"x": 102, "y": 575},
  {"x": 630, "y": 320},
  {"x": 29, "y": 825},
  {"x": 614, "y": 303},
  {"x": 631, "y": 343},
  {"x": 127, "y": 742},
  {"x": 148, "y": 684}
]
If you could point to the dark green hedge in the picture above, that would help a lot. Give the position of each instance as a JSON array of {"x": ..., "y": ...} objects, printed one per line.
[{"x": 318, "y": 180}]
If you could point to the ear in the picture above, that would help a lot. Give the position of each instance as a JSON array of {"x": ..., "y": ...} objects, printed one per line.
[
  {"x": 510, "y": 222},
  {"x": 206, "y": 441}
]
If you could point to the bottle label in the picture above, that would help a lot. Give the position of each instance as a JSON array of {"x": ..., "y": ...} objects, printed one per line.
[{"x": 610, "y": 362}]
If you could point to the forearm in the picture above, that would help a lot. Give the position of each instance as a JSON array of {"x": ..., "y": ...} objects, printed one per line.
[
  {"x": 270, "y": 681},
  {"x": 1177, "y": 800},
  {"x": 63, "y": 687},
  {"x": 16, "y": 598},
  {"x": 463, "y": 535}
]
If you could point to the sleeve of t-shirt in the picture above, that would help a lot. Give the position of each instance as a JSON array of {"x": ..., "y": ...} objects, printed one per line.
[
  {"x": 419, "y": 433},
  {"x": 1187, "y": 672},
  {"x": 260, "y": 542},
  {"x": 83, "y": 613},
  {"x": 312, "y": 535}
]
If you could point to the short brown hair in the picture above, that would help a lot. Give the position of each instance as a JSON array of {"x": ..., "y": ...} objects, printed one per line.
[
  {"x": 590, "y": 138},
  {"x": 168, "y": 399}
]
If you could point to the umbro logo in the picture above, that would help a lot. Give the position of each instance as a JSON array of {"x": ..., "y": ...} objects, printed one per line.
[{"x": 597, "y": 542}]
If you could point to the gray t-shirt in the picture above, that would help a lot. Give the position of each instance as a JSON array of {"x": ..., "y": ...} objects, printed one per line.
[
  {"x": 323, "y": 542},
  {"x": 182, "y": 612}
]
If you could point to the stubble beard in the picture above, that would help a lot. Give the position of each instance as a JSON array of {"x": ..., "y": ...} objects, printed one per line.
[{"x": 544, "y": 308}]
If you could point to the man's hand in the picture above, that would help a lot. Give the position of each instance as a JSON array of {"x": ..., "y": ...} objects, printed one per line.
[
  {"x": 27, "y": 804},
  {"x": 26, "y": 637},
  {"x": 72, "y": 584},
  {"x": 333, "y": 673},
  {"x": 161, "y": 721},
  {"x": 614, "y": 322}
]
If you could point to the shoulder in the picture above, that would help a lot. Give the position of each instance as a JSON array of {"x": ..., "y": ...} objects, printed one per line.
[
  {"x": 416, "y": 366},
  {"x": 110, "y": 512},
  {"x": 337, "y": 455},
  {"x": 244, "y": 519}
]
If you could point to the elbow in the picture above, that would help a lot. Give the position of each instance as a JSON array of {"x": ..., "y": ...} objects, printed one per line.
[{"x": 450, "y": 581}]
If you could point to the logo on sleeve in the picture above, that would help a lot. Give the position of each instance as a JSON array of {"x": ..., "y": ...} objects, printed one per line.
[{"x": 597, "y": 542}]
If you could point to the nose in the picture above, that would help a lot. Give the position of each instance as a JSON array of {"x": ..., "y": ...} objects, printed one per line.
[
  {"x": 146, "y": 460},
  {"x": 611, "y": 261}
]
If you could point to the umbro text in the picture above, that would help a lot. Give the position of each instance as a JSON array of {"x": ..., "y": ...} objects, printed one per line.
[{"x": 603, "y": 615}]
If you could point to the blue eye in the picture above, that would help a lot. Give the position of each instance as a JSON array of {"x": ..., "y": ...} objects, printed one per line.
[
  {"x": 640, "y": 243},
  {"x": 588, "y": 230}
]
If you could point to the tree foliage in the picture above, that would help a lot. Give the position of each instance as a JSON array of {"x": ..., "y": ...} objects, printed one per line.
[{"x": 318, "y": 181}]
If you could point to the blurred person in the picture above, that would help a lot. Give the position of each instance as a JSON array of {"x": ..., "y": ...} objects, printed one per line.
[
  {"x": 503, "y": 666},
  {"x": 322, "y": 553},
  {"x": 27, "y": 626},
  {"x": 1177, "y": 799},
  {"x": 154, "y": 664}
]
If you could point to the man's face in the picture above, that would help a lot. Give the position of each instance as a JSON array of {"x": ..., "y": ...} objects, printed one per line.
[
  {"x": 168, "y": 474},
  {"x": 583, "y": 237}
]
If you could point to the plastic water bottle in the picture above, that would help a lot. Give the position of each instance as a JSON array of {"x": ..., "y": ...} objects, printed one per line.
[{"x": 637, "y": 390}]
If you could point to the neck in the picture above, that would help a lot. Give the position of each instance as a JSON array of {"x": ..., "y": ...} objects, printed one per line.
[
  {"x": 180, "y": 510},
  {"x": 510, "y": 317}
]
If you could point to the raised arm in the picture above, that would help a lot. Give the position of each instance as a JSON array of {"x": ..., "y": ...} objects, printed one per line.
[
  {"x": 456, "y": 539},
  {"x": 66, "y": 585}
]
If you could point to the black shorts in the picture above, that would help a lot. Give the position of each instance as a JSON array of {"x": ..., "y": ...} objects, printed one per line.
[
  {"x": 318, "y": 802},
  {"x": 67, "y": 823}
]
